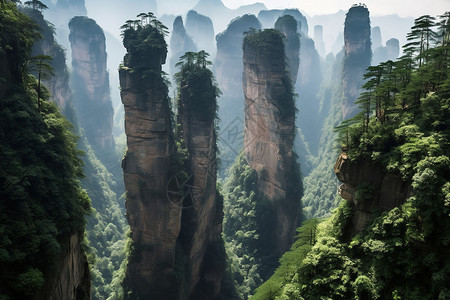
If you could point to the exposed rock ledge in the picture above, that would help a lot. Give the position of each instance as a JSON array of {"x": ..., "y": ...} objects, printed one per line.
[{"x": 368, "y": 187}]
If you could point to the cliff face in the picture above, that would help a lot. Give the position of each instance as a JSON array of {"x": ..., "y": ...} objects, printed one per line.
[
  {"x": 90, "y": 82},
  {"x": 174, "y": 216},
  {"x": 154, "y": 220},
  {"x": 201, "y": 29},
  {"x": 180, "y": 43},
  {"x": 228, "y": 71},
  {"x": 202, "y": 222},
  {"x": 357, "y": 56},
  {"x": 269, "y": 134},
  {"x": 229, "y": 59},
  {"x": 287, "y": 25},
  {"x": 368, "y": 187},
  {"x": 72, "y": 279},
  {"x": 58, "y": 85}
]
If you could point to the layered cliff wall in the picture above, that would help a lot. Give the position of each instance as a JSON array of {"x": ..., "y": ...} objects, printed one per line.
[
  {"x": 369, "y": 188},
  {"x": 90, "y": 82},
  {"x": 357, "y": 56},
  {"x": 268, "y": 138}
]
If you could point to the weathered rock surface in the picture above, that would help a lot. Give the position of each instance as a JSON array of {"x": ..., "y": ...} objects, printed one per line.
[
  {"x": 269, "y": 133},
  {"x": 72, "y": 279},
  {"x": 357, "y": 56},
  {"x": 368, "y": 187},
  {"x": 90, "y": 82},
  {"x": 228, "y": 70},
  {"x": 154, "y": 220},
  {"x": 175, "y": 219},
  {"x": 202, "y": 222}
]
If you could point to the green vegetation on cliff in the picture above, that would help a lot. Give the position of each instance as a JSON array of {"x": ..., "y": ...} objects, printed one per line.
[
  {"x": 404, "y": 124},
  {"x": 41, "y": 201}
]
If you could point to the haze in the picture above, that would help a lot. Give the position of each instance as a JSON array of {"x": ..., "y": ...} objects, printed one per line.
[{"x": 404, "y": 8}]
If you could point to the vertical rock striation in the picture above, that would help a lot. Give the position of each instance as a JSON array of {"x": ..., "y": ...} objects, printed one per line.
[
  {"x": 228, "y": 71},
  {"x": 201, "y": 230},
  {"x": 154, "y": 220},
  {"x": 268, "y": 139},
  {"x": 90, "y": 82},
  {"x": 173, "y": 210},
  {"x": 357, "y": 56}
]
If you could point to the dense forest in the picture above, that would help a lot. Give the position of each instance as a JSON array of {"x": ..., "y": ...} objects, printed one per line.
[
  {"x": 94, "y": 209},
  {"x": 403, "y": 125},
  {"x": 42, "y": 204}
]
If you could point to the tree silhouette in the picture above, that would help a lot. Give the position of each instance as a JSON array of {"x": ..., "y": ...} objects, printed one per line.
[
  {"x": 40, "y": 64},
  {"x": 36, "y": 4}
]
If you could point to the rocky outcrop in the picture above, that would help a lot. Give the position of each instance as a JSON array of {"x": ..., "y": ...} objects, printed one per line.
[
  {"x": 287, "y": 25},
  {"x": 72, "y": 279},
  {"x": 269, "y": 17},
  {"x": 90, "y": 82},
  {"x": 202, "y": 219},
  {"x": 180, "y": 43},
  {"x": 375, "y": 34},
  {"x": 357, "y": 56},
  {"x": 58, "y": 85},
  {"x": 172, "y": 207},
  {"x": 318, "y": 40},
  {"x": 368, "y": 187},
  {"x": 201, "y": 29},
  {"x": 154, "y": 220},
  {"x": 385, "y": 53},
  {"x": 268, "y": 138},
  {"x": 228, "y": 71}
]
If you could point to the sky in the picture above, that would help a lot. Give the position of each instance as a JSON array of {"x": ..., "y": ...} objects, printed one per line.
[{"x": 404, "y": 8}]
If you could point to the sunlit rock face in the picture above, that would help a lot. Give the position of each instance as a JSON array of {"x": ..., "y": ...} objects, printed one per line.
[
  {"x": 269, "y": 135},
  {"x": 180, "y": 43},
  {"x": 200, "y": 28},
  {"x": 357, "y": 56},
  {"x": 154, "y": 220},
  {"x": 90, "y": 82},
  {"x": 368, "y": 188}
]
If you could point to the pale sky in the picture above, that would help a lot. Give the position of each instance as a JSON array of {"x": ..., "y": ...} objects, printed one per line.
[{"x": 404, "y": 8}]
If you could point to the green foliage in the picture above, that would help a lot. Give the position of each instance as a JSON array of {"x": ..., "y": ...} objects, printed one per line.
[
  {"x": 42, "y": 203},
  {"x": 401, "y": 253},
  {"x": 144, "y": 41}
]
